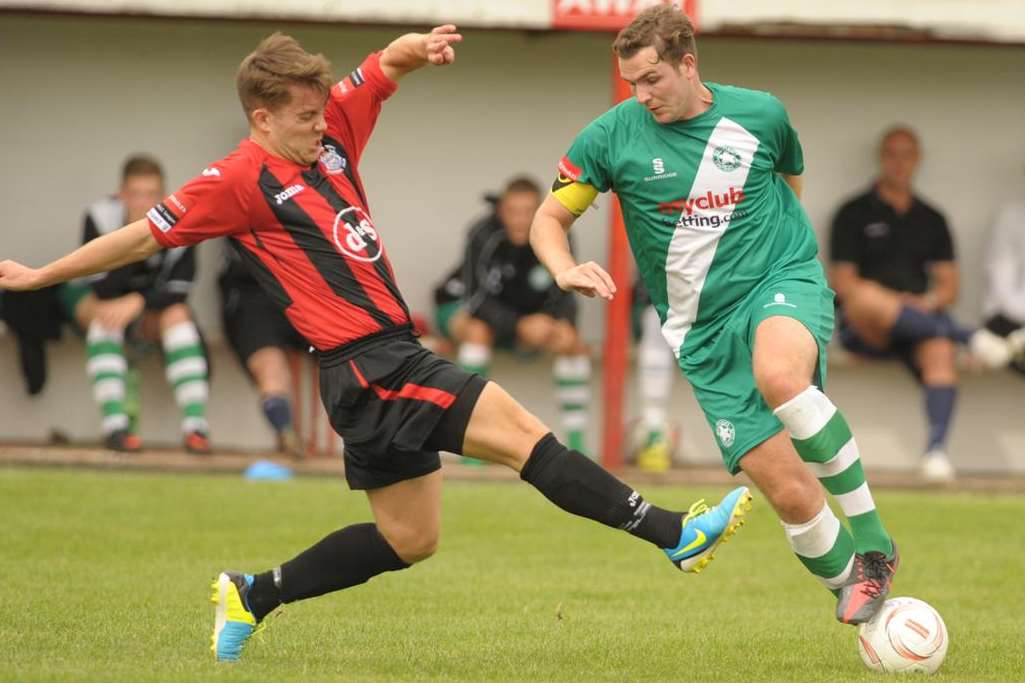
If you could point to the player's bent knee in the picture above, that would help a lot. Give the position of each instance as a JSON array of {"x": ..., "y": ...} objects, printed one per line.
[
  {"x": 411, "y": 545},
  {"x": 535, "y": 331},
  {"x": 779, "y": 385},
  {"x": 476, "y": 331}
]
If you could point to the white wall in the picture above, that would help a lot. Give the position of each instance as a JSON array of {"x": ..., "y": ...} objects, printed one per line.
[{"x": 81, "y": 93}]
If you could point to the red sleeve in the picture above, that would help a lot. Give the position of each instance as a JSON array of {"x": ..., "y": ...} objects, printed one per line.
[
  {"x": 355, "y": 104},
  {"x": 213, "y": 204}
]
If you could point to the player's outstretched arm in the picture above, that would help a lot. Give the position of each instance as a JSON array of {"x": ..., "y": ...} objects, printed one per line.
[
  {"x": 412, "y": 51},
  {"x": 132, "y": 243},
  {"x": 548, "y": 239}
]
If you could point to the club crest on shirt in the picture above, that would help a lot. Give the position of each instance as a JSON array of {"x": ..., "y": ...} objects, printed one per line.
[
  {"x": 332, "y": 161},
  {"x": 726, "y": 158},
  {"x": 355, "y": 235}
]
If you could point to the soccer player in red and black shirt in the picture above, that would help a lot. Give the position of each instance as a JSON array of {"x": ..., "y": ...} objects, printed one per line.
[{"x": 292, "y": 202}]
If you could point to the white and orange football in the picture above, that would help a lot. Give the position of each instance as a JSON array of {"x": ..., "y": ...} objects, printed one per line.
[{"x": 906, "y": 635}]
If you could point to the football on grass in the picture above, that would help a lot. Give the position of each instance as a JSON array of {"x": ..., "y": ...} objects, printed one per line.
[{"x": 906, "y": 635}]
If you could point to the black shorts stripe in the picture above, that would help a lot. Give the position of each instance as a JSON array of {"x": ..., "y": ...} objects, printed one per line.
[{"x": 331, "y": 266}]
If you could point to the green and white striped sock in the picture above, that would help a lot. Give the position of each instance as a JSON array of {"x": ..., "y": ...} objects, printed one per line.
[
  {"x": 572, "y": 376},
  {"x": 824, "y": 546},
  {"x": 106, "y": 367},
  {"x": 824, "y": 441},
  {"x": 186, "y": 370},
  {"x": 474, "y": 358}
]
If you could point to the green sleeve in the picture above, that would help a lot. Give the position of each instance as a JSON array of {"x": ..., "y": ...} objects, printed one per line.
[
  {"x": 587, "y": 160},
  {"x": 789, "y": 157}
]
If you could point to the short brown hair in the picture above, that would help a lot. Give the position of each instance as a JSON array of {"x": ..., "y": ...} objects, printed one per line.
[
  {"x": 140, "y": 165},
  {"x": 278, "y": 62},
  {"x": 663, "y": 27},
  {"x": 522, "y": 184},
  {"x": 900, "y": 129}
]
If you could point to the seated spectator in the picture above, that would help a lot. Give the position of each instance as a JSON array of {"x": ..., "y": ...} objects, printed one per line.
[
  {"x": 145, "y": 300},
  {"x": 501, "y": 295},
  {"x": 1005, "y": 273},
  {"x": 261, "y": 338},
  {"x": 895, "y": 275}
]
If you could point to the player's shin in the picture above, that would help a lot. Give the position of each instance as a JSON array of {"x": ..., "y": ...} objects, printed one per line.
[
  {"x": 342, "y": 559},
  {"x": 824, "y": 547},
  {"x": 580, "y": 486},
  {"x": 572, "y": 375},
  {"x": 824, "y": 441},
  {"x": 187, "y": 373},
  {"x": 107, "y": 367}
]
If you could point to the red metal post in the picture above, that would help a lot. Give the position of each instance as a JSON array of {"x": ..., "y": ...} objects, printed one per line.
[{"x": 617, "y": 320}]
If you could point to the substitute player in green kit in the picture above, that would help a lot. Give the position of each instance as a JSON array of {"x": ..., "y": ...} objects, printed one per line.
[{"x": 708, "y": 177}]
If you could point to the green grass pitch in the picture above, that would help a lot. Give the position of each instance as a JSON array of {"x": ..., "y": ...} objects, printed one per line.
[{"x": 104, "y": 577}]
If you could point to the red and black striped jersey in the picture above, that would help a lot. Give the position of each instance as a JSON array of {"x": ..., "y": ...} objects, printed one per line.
[{"x": 304, "y": 232}]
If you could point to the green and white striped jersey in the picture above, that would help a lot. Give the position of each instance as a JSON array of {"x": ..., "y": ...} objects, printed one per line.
[{"x": 707, "y": 214}]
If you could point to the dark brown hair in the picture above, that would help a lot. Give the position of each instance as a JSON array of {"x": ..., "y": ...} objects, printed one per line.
[
  {"x": 663, "y": 27},
  {"x": 522, "y": 184},
  {"x": 900, "y": 129},
  {"x": 278, "y": 62},
  {"x": 140, "y": 165}
]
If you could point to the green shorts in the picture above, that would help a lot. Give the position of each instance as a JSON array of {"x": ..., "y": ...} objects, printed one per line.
[
  {"x": 721, "y": 371},
  {"x": 70, "y": 294},
  {"x": 443, "y": 316}
]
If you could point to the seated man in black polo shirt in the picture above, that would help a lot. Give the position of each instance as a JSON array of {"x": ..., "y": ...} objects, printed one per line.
[{"x": 894, "y": 273}]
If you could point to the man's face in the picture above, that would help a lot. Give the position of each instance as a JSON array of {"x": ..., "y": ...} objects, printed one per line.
[
  {"x": 139, "y": 194},
  {"x": 664, "y": 89},
  {"x": 516, "y": 211},
  {"x": 295, "y": 130},
  {"x": 898, "y": 159}
]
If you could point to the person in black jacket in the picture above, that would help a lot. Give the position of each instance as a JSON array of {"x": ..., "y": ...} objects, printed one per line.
[
  {"x": 148, "y": 299},
  {"x": 501, "y": 295},
  {"x": 261, "y": 337}
]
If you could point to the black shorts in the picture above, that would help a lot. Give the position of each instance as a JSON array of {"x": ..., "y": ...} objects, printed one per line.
[
  {"x": 503, "y": 321},
  {"x": 396, "y": 405},
  {"x": 253, "y": 322}
]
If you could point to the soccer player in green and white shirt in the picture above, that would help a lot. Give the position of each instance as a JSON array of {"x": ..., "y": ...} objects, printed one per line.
[{"x": 708, "y": 177}]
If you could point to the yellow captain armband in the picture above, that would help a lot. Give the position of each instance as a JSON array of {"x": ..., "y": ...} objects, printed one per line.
[{"x": 573, "y": 194}]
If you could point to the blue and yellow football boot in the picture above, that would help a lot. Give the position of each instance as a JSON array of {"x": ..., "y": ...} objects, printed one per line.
[
  {"x": 233, "y": 622},
  {"x": 704, "y": 528}
]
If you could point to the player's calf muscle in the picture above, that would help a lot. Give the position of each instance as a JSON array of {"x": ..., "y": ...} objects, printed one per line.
[{"x": 501, "y": 430}]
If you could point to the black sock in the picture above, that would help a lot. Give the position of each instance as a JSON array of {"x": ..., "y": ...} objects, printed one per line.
[
  {"x": 263, "y": 597},
  {"x": 580, "y": 486},
  {"x": 278, "y": 412},
  {"x": 343, "y": 558}
]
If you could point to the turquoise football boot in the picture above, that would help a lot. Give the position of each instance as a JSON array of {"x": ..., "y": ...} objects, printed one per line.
[
  {"x": 704, "y": 528},
  {"x": 233, "y": 622}
]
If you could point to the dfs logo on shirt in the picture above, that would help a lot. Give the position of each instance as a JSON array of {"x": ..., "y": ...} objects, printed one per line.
[{"x": 355, "y": 236}]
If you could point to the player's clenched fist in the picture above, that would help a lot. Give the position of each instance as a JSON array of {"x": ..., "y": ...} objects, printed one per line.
[
  {"x": 589, "y": 279},
  {"x": 438, "y": 44},
  {"x": 15, "y": 276}
]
